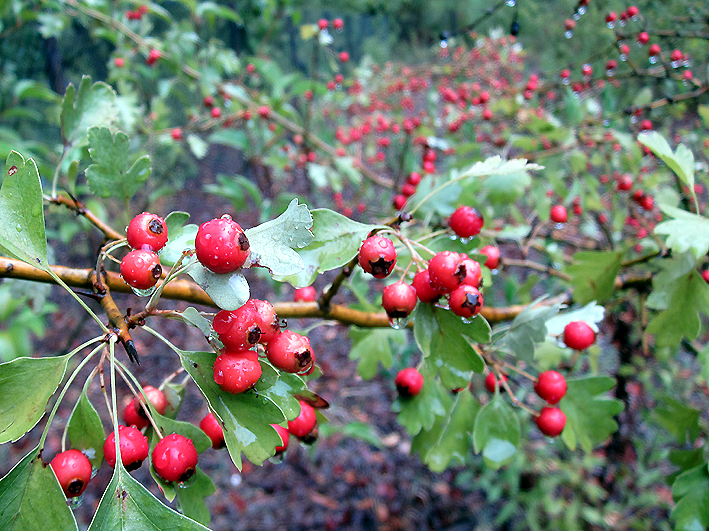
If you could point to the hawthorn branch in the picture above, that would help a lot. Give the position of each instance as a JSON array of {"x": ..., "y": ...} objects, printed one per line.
[{"x": 81, "y": 210}]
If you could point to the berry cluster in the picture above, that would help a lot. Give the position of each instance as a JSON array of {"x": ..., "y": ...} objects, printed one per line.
[{"x": 146, "y": 234}]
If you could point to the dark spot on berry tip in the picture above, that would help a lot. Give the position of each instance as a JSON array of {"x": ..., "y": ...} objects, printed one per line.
[
  {"x": 381, "y": 267},
  {"x": 254, "y": 335},
  {"x": 75, "y": 487},
  {"x": 187, "y": 474},
  {"x": 304, "y": 359},
  {"x": 461, "y": 273},
  {"x": 135, "y": 465},
  {"x": 157, "y": 271},
  {"x": 155, "y": 226},
  {"x": 311, "y": 437},
  {"x": 244, "y": 244},
  {"x": 195, "y": 365},
  {"x": 472, "y": 301},
  {"x": 397, "y": 314}
]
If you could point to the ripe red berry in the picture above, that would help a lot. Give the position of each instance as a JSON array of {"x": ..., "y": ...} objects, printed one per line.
[
  {"x": 487, "y": 116},
  {"x": 493, "y": 256},
  {"x": 237, "y": 329},
  {"x": 153, "y": 56},
  {"x": 409, "y": 382},
  {"x": 177, "y": 134},
  {"x": 705, "y": 275},
  {"x": 676, "y": 56},
  {"x": 551, "y": 421},
  {"x": 134, "y": 447},
  {"x": 175, "y": 458},
  {"x": 344, "y": 57},
  {"x": 399, "y": 201},
  {"x": 338, "y": 24},
  {"x": 119, "y": 62},
  {"x": 558, "y": 214},
  {"x": 141, "y": 269},
  {"x": 285, "y": 438},
  {"x": 466, "y": 301},
  {"x": 424, "y": 291},
  {"x": 611, "y": 17},
  {"x": 624, "y": 183},
  {"x": 377, "y": 256},
  {"x": 291, "y": 352},
  {"x": 643, "y": 38},
  {"x": 473, "y": 273},
  {"x": 132, "y": 418},
  {"x": 216, "y": 112},
  {"x": 210, "y": 425},
  {"x": 73, "y": 470},
  {"x": 578, "y": 335},
  {"x": 147, "y": 231},
  {"x": 491, "y": 381},
  {"x": 307, "y": 294},
  {"x": 407, "y": 190},
  {"x": 399, "y": 300},
  {"x": 414, "y": 179},
  {"x": 304, "y": 423},
  {"x": 446, "y": 271},
  {"x": 550, "y": 386},
  {"x": 264, "y": 111},
  {"x": 632, "y": 11},
  {"x": 221, "y": 245},
  {"x": 654, "y": 50},
  {"x": 646, "y": 125},
  {"x": 237, "y": 371},
  {"x": 466, "y": 221},
  {"x": 156, "y": 398},
  {"x": 323, "y": 24}
]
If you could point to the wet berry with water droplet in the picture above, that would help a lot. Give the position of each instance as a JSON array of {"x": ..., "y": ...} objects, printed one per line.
[
  {"x": 291, "y": 352},
  {"x": 377, "y": 256},
  {"x": 424, "y": 290},
  {"x": 210, "y": 425},
  {"x": 558, "y": 214},
  {"x": 551, "y": 421},
  {"x": 493, "y": 256},
  {"x": 236, "y": 371},
  {"x": 141, "y": 269},
  {"x": 147, "y": 231},
  {"x": 304, "y": 423},
  {"x": 409, "y": 382},
  {"x": 466, "y": 301},
  {"x": 446, "y": 271},
  {"x": 221, "y": 245},
  {"x": 73, "y": 471},
  {"x": 175, "y": 458},
  {"x": 399, "y": 300},
  {"x": 134, "y": 447},
  {"x": 466, "y": 221}
]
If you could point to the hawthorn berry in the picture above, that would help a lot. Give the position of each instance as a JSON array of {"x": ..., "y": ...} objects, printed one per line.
[
  {"x": 466, "y": 301},
  {"x": 323, "y": 24},
  {"x": 578, "y": 335},
  {"x": 153, "y": 56},
  {"x": 491, "y": 381},
  {"x": 177, "y": 134},
  {"x": 175, "y": 458},
  {"x": 493, "y": 256},
  {"x": 446, "y": 271},
  {"x": 156, "y": 398},
  {"x": 237, "y": 371},
  {"x": 307, "y": 294},
  {"x": 141, "y": 269},
  {"x": 210, "y": 425},
  {"x": 550, "y": 386},
  {"x": 466, "y": 221},
  {"x": 558, "y": 214},
  {"x": 551, "y": 421},
  {"x": 221, "y": 245},
  {"x": 414, "y": 179},
  {"x": 399, "y": 300},
  {"x": 73, "y": 471},
  {"x": 216, "y": 112},
  {"x": 643, "y": 38},
  {"x": 344, "y": 57},
  {"x": 338, "y": 24},
  {"x": 291, "y": 352},
  {"x": 424, "y": 291},
  {"x": 238, "y": 329},
  {"x": 285, "y": 438},
  {"x": 134, "y": 447},
  {"x": 399, "y": 201},
  {"x": 705, "y": 275},
  {"x": 377, "y": 256},
  {"x": 409, "y": 382},
  {"x": 119, "y": 62},
  {"x": 147, "y": 232},
  {"x": 304, "y": 423},
  {"x": 473, "y": 273}
]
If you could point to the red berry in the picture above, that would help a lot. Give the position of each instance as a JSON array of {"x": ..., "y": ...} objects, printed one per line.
[
  {"x": 409, "y": 382},
  {"x": 377, "y": 256},
  {"x": 264, "y": 111},
  {"x": 565, "y": 74},
  {"x": 141, "y": 269},
  {"x": 307, "y": 294},
  {"x": 267, "y": 320},
  {"x": 134, "y": 447},
  {"x": 285, "y": 438},
  {"x": 466, "y": 301},
  {"x": 221, "y": 245},
  {"x": 399, "y": 201},
  {"x": 216, "y": 112},
  {"x": 414, "y": 179},
  {"x": 147, "y": 231},
  {"x": 424, "y": 291},
  {"x": 473, "y": 273},
  {"x": 446, "y": 271},
  {"x": 676, "y": 56},
  {"x": 611, "y": 17},
  {"x": 578, "y": 335},
  {"x": 551, "y": 421},
  {"x": 235, "y": 372},
  {"x": 632, "y": 11},
  {"x": 238, "y": 329},
  {"x": 586, "y": 70},
  {"x": 156, "y": 398},
  {"x": 646, "y": 125},
  {"x": 176, "y": 134},
  {"x": 407, "y": 190},
  {"x": 569, "y": 24},
  {"x": 466, "y": 221},
  {"x": 291, "y": 352},
  {"x": 344, "y": 57},
  {"x": 487, "y": 116},
  {"x": 491, "y": 381},
  {"x": 399, "y": 300},
  {"x": 119, "y": 62},
  {"x": 210, "y": 425},
  {"x": 323, "y": 24},
  {"x": 625, "y": 183},
  {"x": 493, "y": 256},
  {"x": 338, "y": 24},
  {"x": 558, "y": 214},
  {"x": 643, "y": 38},
  {"x": 132, "y": 418},
  {"x": 305, "y": 422},
  {"x": 654, "y": 50},
  {"x": 175, "y": 458},
  {"x": 705, "y": 275},
  {"x": 550, "y": 386},
  {"x": 153, "y": 56},
  {"x": 73, "y": 470}
]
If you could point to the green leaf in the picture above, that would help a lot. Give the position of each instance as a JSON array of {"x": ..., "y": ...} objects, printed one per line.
[
  {"x": 95, "y": 105},
  {"x": 354, "y": 430},
  {"x": 497, "y": 432},
  {"x": 228, "y": 291},
  {"x": 192, "y": 317},
  {"x": 420, "y": 412},
  {"x": 529, "y": 329},
  {"x": 449, "y": 441},
  {"x": 128, "y": 506},
  {"x": 31, "y": 498},
  {"x": 680, "y": 420},
  {"x": 593, "y": 275},
  {"x": 336, "y": 241},
  {"x": 592, "y": 314},
  {"x": 191, "y": 495},
  {"x": 425, "y": 325},
  {"x": 198, "y": 147},
  {"x": 372, "y": 347},
  {"x": 21, "y": 211},
  {"x": 691, "y": 494},
  {"x": 26, "y": 385},
  {"x": 273, "y": 243},
  {"x": 665, "y": 283},
  {"x": 86, "y": 430},
  {"x": 212, "y": 10},
  {"x": 246, "y": 417},
  {"x": 589, "y": 416},
  {"x": 179, "y": 237},
  {"x": 686, "y": 232},
  {"x": 506, "y": 187},
  {"x": 109, "y": 175},
  {"x": 235, "y": 138},
  {"x": 167, "y": 426},
  {"x": 681, "y": 318},
  {"x": 681, "y": 161}
]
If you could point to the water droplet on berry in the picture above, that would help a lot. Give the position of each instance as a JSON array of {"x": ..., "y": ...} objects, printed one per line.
[
  {"x": 611, "y": 25},
  {"x": 568, "y": 34},
  {"x": 511, "y": 3},
  {"x": 235, "y": 480},
  {"x": 226, "y": 216},
  {"x": 582, "y": 10},
  {"x": 652, "y": 60},
  {"x": 398, "y": 323},
  {"x": 143, "y": 292},
  {"x": 444, "y": 43}
]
